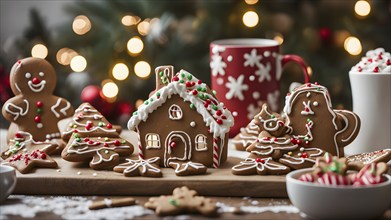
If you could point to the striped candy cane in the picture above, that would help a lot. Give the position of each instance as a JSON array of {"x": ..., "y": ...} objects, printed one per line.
[
  {"x": 216, "y": 158},
  {"x": 140, "y": 148}
]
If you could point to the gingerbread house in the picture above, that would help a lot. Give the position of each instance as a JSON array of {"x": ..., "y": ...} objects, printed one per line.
[{"x": 182, "y": 121}]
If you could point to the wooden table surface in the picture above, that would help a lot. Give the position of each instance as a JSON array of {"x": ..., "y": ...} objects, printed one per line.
[{"x": 257, "y": 208}]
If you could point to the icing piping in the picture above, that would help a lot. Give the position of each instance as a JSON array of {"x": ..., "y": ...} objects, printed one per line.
[
  {"x": 186, "y": 166},
  {"x": 146, "y": 165},
  {"x": 251, "y": 163},
  {"x": 53, "y": 108},
  {"x": 37, "y": 88},
  {"x": 20, "y": 113},
  {"x": 151, "y": 135},
  {"x": 64, "y": 110},
  {"x": 167, "y": 148},
  {"x": 307, "y": 108},
  {"x": 17, "y": 87}
]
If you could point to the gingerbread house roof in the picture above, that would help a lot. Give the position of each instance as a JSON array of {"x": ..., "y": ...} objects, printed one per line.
[{"x": 218, "y": 118}]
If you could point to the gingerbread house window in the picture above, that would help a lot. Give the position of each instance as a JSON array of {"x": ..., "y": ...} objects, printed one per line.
[
  {"x": 153, "y": 141},
  {"x": 200, "y": 143},
  {"x": 175, "y": 112}
]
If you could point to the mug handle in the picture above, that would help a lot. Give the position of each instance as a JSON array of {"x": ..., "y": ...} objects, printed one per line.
[{"x": 289, "y": 57}]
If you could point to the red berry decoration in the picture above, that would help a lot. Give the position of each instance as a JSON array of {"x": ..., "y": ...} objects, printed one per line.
[
  {"x": 304, "y": 155},
  {"x": 43, "y": 155},
  {"x": 194, "y": 92},
  {"x": 90, "y": 142},
  {"x": 172, "y": 144},
  {"x": 117, "y": 143},
  {"x": 106, "y": 145},
  {"x": 219, "y": 121},
  {"x": 18, "y": 135},
  {"x": 39, "y": 104},
  {"x": 36, "y": 80},
  {"x": 37, "y": 119},
  {"x": 298, "y": 142},
  {"x": 86, "y": 139},
  {"x": 175, "y": 78},
  {"x": 259, "y": 160},
  {"x": 109, "y": 126},
  {"x": 293, "y": 141},
  {"x": 218, "y": 112},
  {"x": 188, "y": 84},
  {"x": 388, "y": 62},
  {"x": 376, "y": 69},
  {"x": 199, "y": 82}
]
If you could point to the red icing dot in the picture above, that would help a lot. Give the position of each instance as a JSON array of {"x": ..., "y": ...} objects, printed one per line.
[
  {"x": 18, "y": 135},
  {"x": 39, "y": 104},
  {"x": 172, "y": 144},
  {"x": 199, "y": 82},
  {"x": 308, "y": 84},
  {"x": 75, "y": 131},
  {"x": 109, "y": 126},
  {"x": 307, "y": 142},
  {"x": 175, "y": 78},
  {"x": 293, "y": 141},
  {"x": 88, "y": 127},
  {"x": 86, "y": 139},
  {"x": 36, "y": 80},
  {"x": 275, "y": 139},
  {"x": 219, "y": 121},
  {"x": 259, "y": 160},
  {"x": 188, "y": 84},
  {"x": 206, "y": 105},
  {"x": 218, "y": 112},
  {"x": 304, "y": 155},
  {"x": 43, "y": 155},
  {"x": 90, "y": 142},
  {"x": 306, "y": 109},
  {"x": 388, "y": 62},
  {"x": 370, "y": 60},
  {"x": 223, "y": 117},
  {"x": 316, "y": 83},
  {"x": 117, "y": 143},
  {"x": 37, "y": 119},
  {"x": 106, "y": 144},
  {"x": 192, "y": 83},
  {"x": 298, "y": 142},
  {"x": 194, "y": 92},
  {"x": 376, "y": 69}
]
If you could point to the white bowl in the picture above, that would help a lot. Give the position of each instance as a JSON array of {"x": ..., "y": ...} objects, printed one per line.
[
  {"x": 7, "y": 181},
  {"x": 338, "y": 202}
]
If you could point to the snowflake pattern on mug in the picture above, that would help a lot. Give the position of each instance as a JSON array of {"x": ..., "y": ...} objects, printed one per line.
[
  {"x": 272, "y": 100},
  {"x": 236, "y": 87},
  {"x": 217, "y": 64},
  {"x": 263, "y": 72},
  {"x": 252, "y": 58}
]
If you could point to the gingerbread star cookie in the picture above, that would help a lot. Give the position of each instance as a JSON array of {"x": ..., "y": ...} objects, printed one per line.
[
  {"x": 24, "y": 153},
  {"x": 35, "y": 109},
  {"x": 102, "y": 152},
  {"x": 187, "y": 168},
  {"x": 182, "y": 201},
  {"x": 261, "y": 166},
  {"x": 140, "y": 167}
]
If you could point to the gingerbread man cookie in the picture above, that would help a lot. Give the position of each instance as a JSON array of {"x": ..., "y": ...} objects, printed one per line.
[
  {"x": 182, "y": 201},
  {"x": 24, "y": 153},
  {"x": 35, "y": 109},
  {"x": 313, "y": 122}
]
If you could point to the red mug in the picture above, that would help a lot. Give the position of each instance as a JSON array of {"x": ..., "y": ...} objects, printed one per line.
[{"x": 246, "y": 73}]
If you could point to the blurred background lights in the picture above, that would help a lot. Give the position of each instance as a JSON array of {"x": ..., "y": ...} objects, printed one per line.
[
  {"x": 353, "y": 45},
  {"x": 78, "y": 63},
  {"x": 142, "y": 69},
  {"x": 135, "y": 45},
  {"x": 81, "y": 25},
  {"x": 279, "y": 38},
  {"x": 309, "y": 71},
  {"x": 129, "y": 20},
  {"x": 120, "y": 71},
  {"x": 39, "y": 51},
  {"x": 362, "y": 8},
  {"x": 251, "y": 2},
  {"x": 139, "y": 102},
  {"x": 110, "y": 89},
  {"x": 250, "y": 19},
  {"x": 65, "y": 55},
  {"x": 143, "y": 27}
]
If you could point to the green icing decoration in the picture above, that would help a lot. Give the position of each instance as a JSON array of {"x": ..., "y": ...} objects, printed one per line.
[
  {"x": 214, "y": 107},
  {"x": 308, "y": 120},
  {"x": 183, "y": 75},
  {"x": 192, "y": 106},
  {"x": 214, "y": 92},
  {"x": 17, "y": 144},
  {"x": 181, "y": 81},
  {"x": 39, "y": 111},
  {"x": 151, "y": 99},
  {"x": 158, "y": 94},
  {"x": 123, "y": 142},
  {"x": 101, "y": 124},
  {"x": 272, "y": 116},
  {"x": 161, "y": 73},
  {"x": 135, "y": 113},
  {"x": 173, "y": 202},
  {"x": 78, "y": 139},
  {"x": 204, "y": 89},
  {"x": 189, "y": 77},
  {"x": 146, "y": 102}
]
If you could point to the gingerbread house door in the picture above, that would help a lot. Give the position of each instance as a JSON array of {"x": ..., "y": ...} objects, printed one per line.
[{"x": 177, "y": 147}]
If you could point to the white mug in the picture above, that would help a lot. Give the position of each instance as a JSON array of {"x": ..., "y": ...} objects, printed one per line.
[
  {"x": 7, "y": 181},
  {"x": 372, "y": 103}
]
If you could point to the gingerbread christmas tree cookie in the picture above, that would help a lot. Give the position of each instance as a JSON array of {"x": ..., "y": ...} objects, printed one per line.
[
  {"x": 89, "y": 122},
  {"x": 246, "y": 137},
  {"x": 24, "y": 153},
  {"x": 102, "y": 152},
  {"x": 35, "y": 109}
]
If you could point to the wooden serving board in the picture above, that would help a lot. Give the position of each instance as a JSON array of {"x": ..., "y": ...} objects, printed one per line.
[{"x": 65, "y": 180}]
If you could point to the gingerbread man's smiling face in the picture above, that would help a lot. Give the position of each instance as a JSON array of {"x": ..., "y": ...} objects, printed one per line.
[{"x": 32, "y": 76}]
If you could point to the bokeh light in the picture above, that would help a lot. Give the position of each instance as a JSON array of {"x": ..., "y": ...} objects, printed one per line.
[
  {"x": 135, "y": 45},
  {"x": 279, "y": 38},
  {"x": 143, "y": 27},
  {"x": 309, "y": 71},
  {"x": 81, "y": 25},
  {"x": 139, "y": 102},
  {"x": 353, "y": 45},
  {"x": 65, "y": 55},
  {"x": 251, "y": 2},
  {"x": 129, "y": 20},
  {"x": 142, "y": 69},
  {"x": 39, "y": 51},
  {"x": 110, "y": 89},
  {"x": 362, "y": 8},
  {"x": 120, "y": 71},
  {"x": 78, "y": 63},
  {"x": 250, "y": 19}
]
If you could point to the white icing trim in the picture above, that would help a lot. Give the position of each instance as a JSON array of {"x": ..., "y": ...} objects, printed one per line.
[
  {"x": 17, "y": 114},
  {"x": 175, "y": 87},
  {"x": 53, "y": 108},
  {"x": 64, "y": 110},
  {"x": 307, "y": 106},
  {"x": 178, "y": 111},
  {"x": 36, "y": 88},
  {"x": 146, "y": 165},
  {"x": 85, "y": 107},
  {"x": 152, "y": 140},
  {"x": 251, "y": 163},
  {"x": 167, "y": 147},
  {"x": 197, "y": 142},
  {"x": 17, "y": 87},
  {"x": 186, "y": 166},
  {"x": 102, "y": 159}
]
